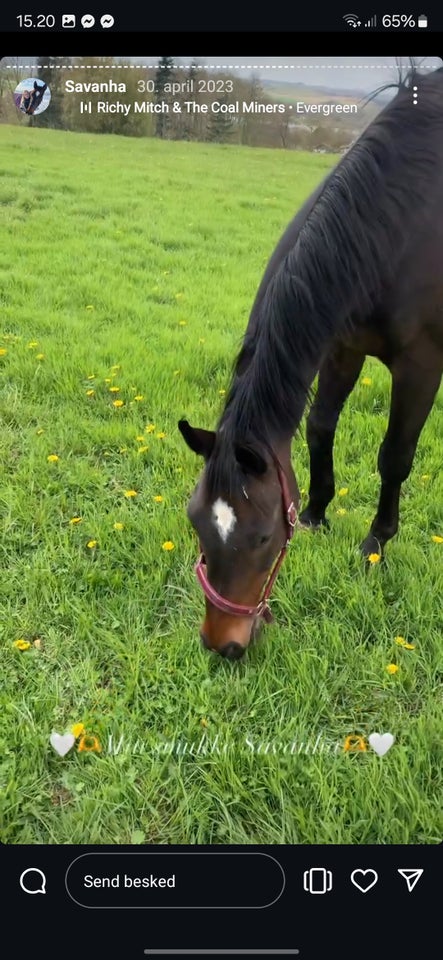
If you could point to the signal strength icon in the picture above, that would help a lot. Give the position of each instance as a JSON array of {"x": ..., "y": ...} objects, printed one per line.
[
  {"x": 372, "y": 22},
  {"x": 352, "y": 20}
]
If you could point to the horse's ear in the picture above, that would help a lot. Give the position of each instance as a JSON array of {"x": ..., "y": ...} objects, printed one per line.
[
  {"x": 200, "y": 441},
  {"x": 250, "y": 461}
]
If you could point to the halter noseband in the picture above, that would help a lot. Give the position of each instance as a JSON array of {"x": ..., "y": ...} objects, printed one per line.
[{"x": 262, "y": 609}]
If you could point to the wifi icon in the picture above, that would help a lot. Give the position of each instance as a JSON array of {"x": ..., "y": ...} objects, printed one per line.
[{"x": 352, "y": 20}]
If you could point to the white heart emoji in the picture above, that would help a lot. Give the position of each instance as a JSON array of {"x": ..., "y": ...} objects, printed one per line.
[
  {"x": 62, "y": 744},
  {"x": 381, "y": 742}
]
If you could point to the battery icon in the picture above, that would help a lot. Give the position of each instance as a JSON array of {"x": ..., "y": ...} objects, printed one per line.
[
  {"x": 317, "y": 880},
  {"x": 422, "y": 20}
]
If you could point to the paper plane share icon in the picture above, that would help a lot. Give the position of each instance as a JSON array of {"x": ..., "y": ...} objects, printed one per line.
[{"x": 411, "y": 876}]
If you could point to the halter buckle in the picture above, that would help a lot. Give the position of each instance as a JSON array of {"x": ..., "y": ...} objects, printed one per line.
[{"x": 291, "y": 514}]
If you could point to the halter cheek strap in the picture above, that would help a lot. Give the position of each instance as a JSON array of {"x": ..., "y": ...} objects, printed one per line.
[{"x": 262, "y": 608}]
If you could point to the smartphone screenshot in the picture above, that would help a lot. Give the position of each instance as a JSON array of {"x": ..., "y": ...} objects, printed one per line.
[{"x": 221, "y": 495}]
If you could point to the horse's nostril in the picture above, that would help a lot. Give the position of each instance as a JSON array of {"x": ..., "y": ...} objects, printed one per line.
[{"x": 232, "y": 651}]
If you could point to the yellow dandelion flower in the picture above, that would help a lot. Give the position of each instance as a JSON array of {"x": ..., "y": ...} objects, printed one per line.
[
  {"x": 140, "y": 438},
  {"x": 222, "y": 392},
  {"x": 118, "y": 403},
  {"x": 123, "y": 450},
  {"x": 91, "y": 376},
  {"x": 117, "y": 366},
  {"x": 53, "y": 458},
  {"x": 89, "y": 306},
  {"x": 39, "y": 356},
  {"x": 89, "y": 743},
  {"x": 437, "y": 539},
  {"x": 168, "y": 545},
  {"x": 204, "y": 722},
  {"x": 343, "y": 491},
  {"x": 107, "y": 380},
  {"x": 404, "y": 643},
  {"x": 114, "y": 389},
  {"x": 91, "y": 544},
  {"x": 3, "y": 351},
  {"x": 77, "y": 730},
  {"x": 39, "y": 431},
  {"x": 130, "y": 493},
  {"x": 139, "y": 397},
  {"x": 182, "y": 323},
  {"x": 341, "y": 512},
  {"x": 32, "y": 344},
  {"x": 426, "y": 476},
  {"x": 158, "y": 499},
  {"x": 90, "y": 393},
  {"x": 119, "y": 526},
  {"x": 354, "y": 743},
  {"x": 366, "y": 381},
  {"x": 74, "y": 520},
  {"x": 201, "y": 340},
  {"x": 150, "y": 427},
  {"x": 21, "y": 644},
  {"x": 392, "y": 668},
  {"x": 374, "y": 557},
  {"x": 142, "y": 449},
  {"x": 161, "y": 435}
]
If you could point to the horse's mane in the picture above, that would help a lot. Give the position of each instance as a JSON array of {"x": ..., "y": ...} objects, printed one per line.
[{"x": 343, "y": 255}]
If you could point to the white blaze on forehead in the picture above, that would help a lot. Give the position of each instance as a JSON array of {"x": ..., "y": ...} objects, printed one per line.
[{"x": 224, "y": 518}]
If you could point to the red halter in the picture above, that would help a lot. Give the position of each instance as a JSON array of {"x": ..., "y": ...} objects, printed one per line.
[{"x": 262, "y": 609}]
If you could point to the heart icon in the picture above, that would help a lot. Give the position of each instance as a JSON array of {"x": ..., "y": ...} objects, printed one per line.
[
  {"x": 62, "y": 744},
  {"x": 381, "y": 742},
  {"x": 364, "y": 879}
]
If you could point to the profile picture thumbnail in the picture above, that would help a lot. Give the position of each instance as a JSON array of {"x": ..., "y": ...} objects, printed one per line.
[{"x": 32, "y": 96}]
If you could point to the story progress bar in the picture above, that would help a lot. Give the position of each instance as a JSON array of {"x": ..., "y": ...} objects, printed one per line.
[{"x": 221, "y": 953}]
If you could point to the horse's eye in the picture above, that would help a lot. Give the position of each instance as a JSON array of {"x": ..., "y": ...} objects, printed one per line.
[{"x": 263, "y": 540}]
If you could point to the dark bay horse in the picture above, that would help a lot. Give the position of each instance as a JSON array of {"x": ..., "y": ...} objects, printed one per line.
[{"x": 358, "y": 272}]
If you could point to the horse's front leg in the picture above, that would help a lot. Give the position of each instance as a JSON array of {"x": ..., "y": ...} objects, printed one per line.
[
  {"x": 415, "y": 381},
  {"x": 337, "y": 376}
]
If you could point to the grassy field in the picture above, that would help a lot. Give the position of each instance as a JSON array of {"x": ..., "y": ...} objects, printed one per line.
[{"x": 130, "y": 269}]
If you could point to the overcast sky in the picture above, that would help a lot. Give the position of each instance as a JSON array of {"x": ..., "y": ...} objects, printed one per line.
[
  {"x": 349, "y": 73},
  {"x": 361, "y": 73}
]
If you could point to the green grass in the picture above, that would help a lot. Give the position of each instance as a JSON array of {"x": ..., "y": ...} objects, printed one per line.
[{"x": 133, "y": 252}]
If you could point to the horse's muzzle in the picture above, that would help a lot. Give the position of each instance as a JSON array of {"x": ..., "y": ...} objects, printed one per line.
[{"x": 231, "y": 650}]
